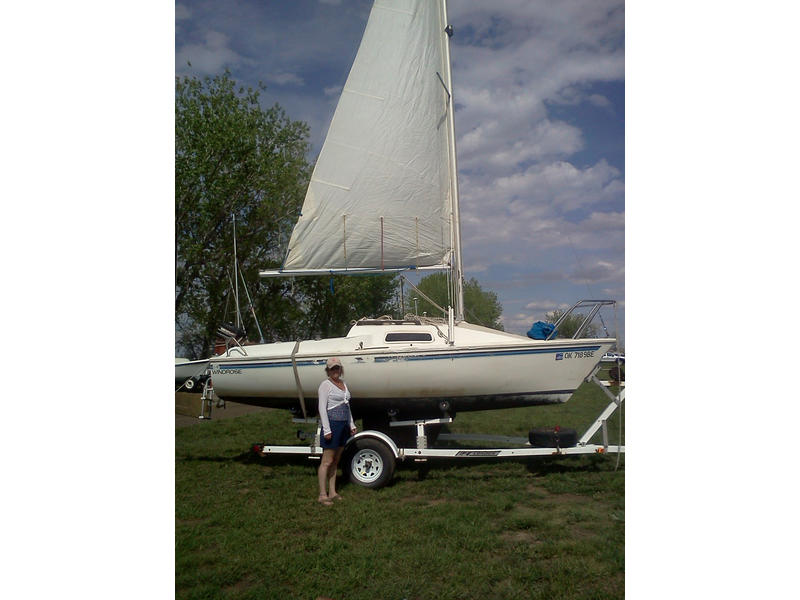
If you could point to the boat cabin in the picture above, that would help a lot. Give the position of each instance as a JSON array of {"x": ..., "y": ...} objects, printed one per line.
[{"x": 386, "y": 333}]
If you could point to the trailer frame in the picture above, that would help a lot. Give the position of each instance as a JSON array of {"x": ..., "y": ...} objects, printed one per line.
[{"x": 370, "y": 456}]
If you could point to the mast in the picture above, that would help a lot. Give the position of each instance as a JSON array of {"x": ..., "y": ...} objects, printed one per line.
[
  {"x": 456, "y": 268},
  {"x": 236, "y": 275}
]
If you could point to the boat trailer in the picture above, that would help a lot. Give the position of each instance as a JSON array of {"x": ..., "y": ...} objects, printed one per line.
[{"x": 370, "y": 456}]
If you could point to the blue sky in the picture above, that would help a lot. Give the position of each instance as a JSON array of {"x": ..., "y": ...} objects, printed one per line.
[{"x": 540, "y": 125}]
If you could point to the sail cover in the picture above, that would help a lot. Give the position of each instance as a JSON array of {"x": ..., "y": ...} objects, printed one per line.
[{"x": 379, "y": 196}]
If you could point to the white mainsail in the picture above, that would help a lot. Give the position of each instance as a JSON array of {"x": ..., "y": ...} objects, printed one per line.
[{"x": 380, "y": 196}]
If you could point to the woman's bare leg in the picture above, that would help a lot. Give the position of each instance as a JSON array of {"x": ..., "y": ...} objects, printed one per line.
[
  {"x": 332, "y": 472},
  {"x": 325, "y": 463}
]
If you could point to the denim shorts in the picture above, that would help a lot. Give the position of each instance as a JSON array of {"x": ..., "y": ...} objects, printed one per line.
[{"x": 341, "y": 433}]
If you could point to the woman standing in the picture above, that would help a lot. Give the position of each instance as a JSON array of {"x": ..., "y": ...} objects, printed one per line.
[{"x": 337, "y": 428}]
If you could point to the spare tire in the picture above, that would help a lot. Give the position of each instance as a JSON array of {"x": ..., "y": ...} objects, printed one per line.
[{"x": 553, "y": 437}]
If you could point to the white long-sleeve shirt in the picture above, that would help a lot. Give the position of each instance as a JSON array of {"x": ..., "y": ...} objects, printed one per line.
[{"x": 331, "y": 398}]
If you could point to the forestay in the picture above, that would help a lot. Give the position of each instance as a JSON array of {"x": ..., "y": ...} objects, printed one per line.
[{"x": 380, "y": 193}]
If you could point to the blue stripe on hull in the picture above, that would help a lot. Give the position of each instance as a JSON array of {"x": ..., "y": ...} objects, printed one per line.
[
  {"x": 300, "y": 363},
  {"x": 453, "y": 355},
  {"x": 417, "y": 357}
]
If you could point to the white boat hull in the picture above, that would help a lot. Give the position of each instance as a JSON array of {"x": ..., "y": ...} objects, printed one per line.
[{"x": 411, "y": 379}]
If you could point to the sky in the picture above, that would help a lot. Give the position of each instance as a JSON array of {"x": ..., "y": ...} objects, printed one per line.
[{"x": 539, "y": 89}]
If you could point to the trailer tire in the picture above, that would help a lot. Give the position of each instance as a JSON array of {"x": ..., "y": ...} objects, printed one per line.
[{"x": 370, "y": 463}]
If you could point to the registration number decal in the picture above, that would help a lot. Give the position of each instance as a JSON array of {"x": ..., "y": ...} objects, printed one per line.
[{"x": 578, "y": 354}]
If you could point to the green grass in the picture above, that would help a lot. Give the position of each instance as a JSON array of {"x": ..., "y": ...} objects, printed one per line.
[{"x": 248, "y": 527}]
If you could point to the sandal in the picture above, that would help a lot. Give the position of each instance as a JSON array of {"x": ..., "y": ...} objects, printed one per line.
[
  {"x": 336, "y": 497},
  {"x": 324, "y": 501}
]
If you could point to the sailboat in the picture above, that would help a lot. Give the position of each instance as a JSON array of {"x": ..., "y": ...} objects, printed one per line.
[{"x": 383, "y": 197}]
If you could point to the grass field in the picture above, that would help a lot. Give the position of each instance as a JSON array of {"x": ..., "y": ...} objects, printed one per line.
[{"x": 250, "y": 527}]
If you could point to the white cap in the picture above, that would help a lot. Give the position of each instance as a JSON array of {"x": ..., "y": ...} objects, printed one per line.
[{"x": 333, "y": 362}]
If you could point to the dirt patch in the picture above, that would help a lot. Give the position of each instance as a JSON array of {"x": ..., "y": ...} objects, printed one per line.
[
  {"x": 520, "y": 537},
  {"x": 240, "y": 586},
  {"x": 582, "y": 534},
  {"x": 187, "y": 410},
  {"x": 540, "y": 493},
  {"x": 536, "y": 492},
  {"x": 422, "y": 500},
  {"x": 569, "y": 499}
]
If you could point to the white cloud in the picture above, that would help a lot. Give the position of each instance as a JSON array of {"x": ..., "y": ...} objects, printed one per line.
[
  {"x": 597, "y": 271},
  {"x": 546, "y": 305},
  {"x": 599, "y": 101},
  {"x": 209, "y": 57},
  {"x": 521, "y": 321},
  {"x": 498, "y": 146},
  {"x": 285, "y": 79}
]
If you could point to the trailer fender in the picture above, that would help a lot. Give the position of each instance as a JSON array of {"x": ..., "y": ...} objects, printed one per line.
[{"x": 378, "y": 435}]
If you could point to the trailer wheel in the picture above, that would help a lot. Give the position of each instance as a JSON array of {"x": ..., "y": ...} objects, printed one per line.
[{"x": 370, "y": 463}]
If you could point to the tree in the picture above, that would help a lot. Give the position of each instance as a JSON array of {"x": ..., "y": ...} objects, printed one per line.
[
  {"x": 481, "y": 307},
  {"x": 570, "y": 325},
  {"x": 332, "y": 303},
  {"x": 232, "y": 157}
]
